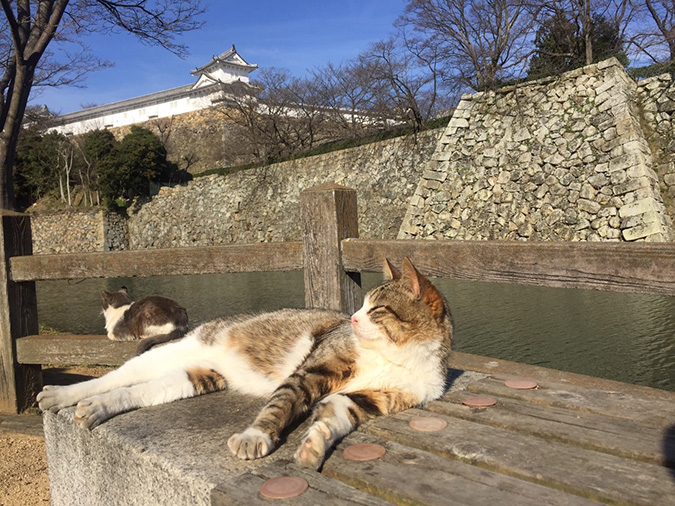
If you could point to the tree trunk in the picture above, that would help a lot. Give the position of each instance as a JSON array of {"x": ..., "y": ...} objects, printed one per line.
[
  {"x": 14, "y": 107},
  {"x": 6, "y": 184},
  {"x": 588, "y": 29},
  {"x": 63, "y": 196}
]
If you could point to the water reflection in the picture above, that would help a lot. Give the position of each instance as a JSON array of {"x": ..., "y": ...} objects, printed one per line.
[{"x": 626, "y": 337}]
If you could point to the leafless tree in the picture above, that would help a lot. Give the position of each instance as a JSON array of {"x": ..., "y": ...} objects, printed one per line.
[
  {"x": 346, "y": 93},
  {"x": 655, "y": 35},
  {"x": 29, "y": 27},
  {"x": 480, "y": 43},
  {"x": 276, "y": 116},
  {"x": 65, "y": 162},
  {"x": 406, "y": 78},
  {"x": 87, "y": 173}
]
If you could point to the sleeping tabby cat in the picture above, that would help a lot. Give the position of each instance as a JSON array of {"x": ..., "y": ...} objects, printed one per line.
[
  {"x": 391, "y": 356},
  {"x": 153, "y": 319}
]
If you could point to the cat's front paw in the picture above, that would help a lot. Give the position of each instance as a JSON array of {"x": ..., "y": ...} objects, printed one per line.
[
  {"x": 91, "y": 412},
  {"x": 250, "y": 444},
  {"x": 312, "y": 451},
  {"x": 53, "y": 398}
]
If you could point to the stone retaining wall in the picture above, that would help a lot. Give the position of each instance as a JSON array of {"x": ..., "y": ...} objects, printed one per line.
[
  {"x": 586, "y": 156},
  {"x": 263, "y": 204},
  {"x": 558, "y": 159},
  {"x": 76, "y": 231},
  {"x": 657, "y": 98}
]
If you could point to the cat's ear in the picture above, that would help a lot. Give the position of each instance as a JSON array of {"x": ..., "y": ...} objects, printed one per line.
[
  {"x": 413, "y": 276},
  {"x": 422, "y": 288},
  {"x": 124, "y": 289},
  {"x": 390, "y": 271}
]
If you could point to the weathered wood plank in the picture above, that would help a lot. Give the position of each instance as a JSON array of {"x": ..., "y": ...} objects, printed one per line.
[
  {"x": 18, "y": 316},
  {"x": 587, "y": 473},
  {"x": 244, "y": 489},
  {"x": 614, "y": 403},
  {"x": 623, "y": 267},
  {"x": 30, "y": 425},
  {"x": 623, "y": 438},
  {"x": 497, "y": 367},
  {"x": 73, "y": 350},
  {"x": 281, "y": 256},
  {"x": 329, "y": 215},
  {"x": 406, "y": 475}
]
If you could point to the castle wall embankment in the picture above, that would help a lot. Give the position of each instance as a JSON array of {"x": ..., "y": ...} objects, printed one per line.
[{"x": 585, "y": 156}]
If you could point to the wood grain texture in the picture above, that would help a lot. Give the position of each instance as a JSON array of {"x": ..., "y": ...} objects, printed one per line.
[
  {"x": 242, "y": 490},
  {"x": 329, "y": 215},
  {"x": 73, "y": 350},
  {"x": 408, "y": 475},
  {"x": 280, "y": 256},
  {"x": 615, "y": 403},
  {"x": 623, "y": 438},
  {"x": 18, "y": 317},
  {"x": 586, "y": 473},
  {"x": 624, "y": 267}
]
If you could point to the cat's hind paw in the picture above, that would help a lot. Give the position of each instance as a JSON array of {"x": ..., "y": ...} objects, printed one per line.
[
  {"x": 312, "y": 451},
  {"x": 54, "y": 398},
  {"x": 90, "y": 412},
  {"x": 250, "y": 444}
]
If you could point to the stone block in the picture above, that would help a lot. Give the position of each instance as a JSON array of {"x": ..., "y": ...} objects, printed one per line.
[
  {"x": 639, "y": 207},
  {"x": 609, "y": 63},
  {"x": 458, "y": 123},
  {"x": 624, "y": 162},
  {"x": 435, "y": 175},
  {"x": 631, "y": 185},
  {"x": 611, "y": 102},
  {"x": 416, "y": 201},
  {"x": 588, "y": 206},
  {"x": 642, "y": 231},
  {"x": 169, "y": 454}
]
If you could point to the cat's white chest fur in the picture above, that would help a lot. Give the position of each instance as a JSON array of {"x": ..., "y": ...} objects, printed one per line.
[
  {"x": 112, "y": 315},
  {"x": 413, "y": 368}
]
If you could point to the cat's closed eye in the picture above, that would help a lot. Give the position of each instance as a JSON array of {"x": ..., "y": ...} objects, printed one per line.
[{"x": 382, "y": 311}]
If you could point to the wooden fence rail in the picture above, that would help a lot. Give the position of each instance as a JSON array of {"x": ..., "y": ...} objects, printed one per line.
[
  {"x": 331, "y": 256},
  {"x": 621, "y": 267}
]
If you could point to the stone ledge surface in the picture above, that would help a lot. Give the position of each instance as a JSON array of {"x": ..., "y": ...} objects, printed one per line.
[{"x": 170, "y": 454}]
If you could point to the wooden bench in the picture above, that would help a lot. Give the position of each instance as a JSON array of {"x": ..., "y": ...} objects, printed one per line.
[{"x": 571, "y": 440}]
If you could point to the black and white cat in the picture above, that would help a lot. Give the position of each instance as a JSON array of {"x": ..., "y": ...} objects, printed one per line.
[{"x": 153, "y": 320}]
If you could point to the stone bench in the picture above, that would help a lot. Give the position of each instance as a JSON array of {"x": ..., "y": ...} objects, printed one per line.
[{"x": 172, "y": 454}]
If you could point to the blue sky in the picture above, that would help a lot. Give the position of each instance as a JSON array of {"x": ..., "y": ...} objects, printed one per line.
[{"x": 294, "y": 34}]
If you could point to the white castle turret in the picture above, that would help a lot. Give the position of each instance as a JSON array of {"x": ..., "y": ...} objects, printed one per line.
[{"x": 213, "y": 79}]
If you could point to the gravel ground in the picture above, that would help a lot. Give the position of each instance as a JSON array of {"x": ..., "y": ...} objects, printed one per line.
[
  {"x": 23, "y": 470},
  {"x": 23, "y": 460}
]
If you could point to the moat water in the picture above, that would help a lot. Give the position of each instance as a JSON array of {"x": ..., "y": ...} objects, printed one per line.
[{"x": 625, "y": 337}]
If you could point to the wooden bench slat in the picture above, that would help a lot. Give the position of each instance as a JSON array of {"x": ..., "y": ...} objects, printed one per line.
[
  {"x": 406, "y": 475},
  {"x": 623, "y": 438},
  {"x": 615, "y": 403},
  {"x": 587, "y": 473},
  {"x": 73, "y": 350},
  {"x": 460, "y": 362},
  {"x": 243, "y": 489}
]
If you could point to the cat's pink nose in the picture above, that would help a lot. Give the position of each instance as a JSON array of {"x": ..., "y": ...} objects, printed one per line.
[{"x": 355, "y": 319}]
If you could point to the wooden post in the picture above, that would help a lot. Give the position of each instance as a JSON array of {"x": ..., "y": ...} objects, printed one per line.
[
  {"x": 19, "y": 384},
  {"x": 329, "y": 214}
]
